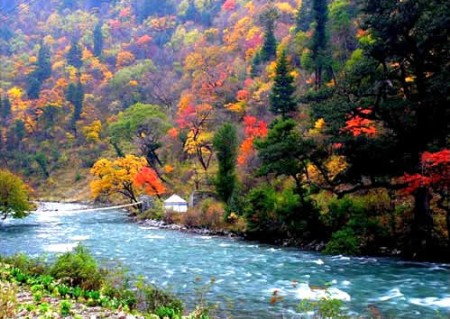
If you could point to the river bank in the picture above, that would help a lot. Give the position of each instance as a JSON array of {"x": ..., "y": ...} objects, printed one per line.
[
  {"x": 313, "y": 246},
  {"x": 174, "y": 224}
]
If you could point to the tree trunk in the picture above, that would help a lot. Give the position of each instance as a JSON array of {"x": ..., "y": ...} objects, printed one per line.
[
  {"x": 422, "y": 225},
  {"x": 448, "y": 229}
]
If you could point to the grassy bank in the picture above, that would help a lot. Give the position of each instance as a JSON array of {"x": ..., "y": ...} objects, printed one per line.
[{"x": 75, "y": 286}]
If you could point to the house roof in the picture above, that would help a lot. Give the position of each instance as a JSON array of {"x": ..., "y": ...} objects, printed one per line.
[{"x": 175, "y": 199}]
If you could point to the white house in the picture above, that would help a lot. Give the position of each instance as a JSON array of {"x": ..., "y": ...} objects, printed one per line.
[{"x": 176, "y": 203}]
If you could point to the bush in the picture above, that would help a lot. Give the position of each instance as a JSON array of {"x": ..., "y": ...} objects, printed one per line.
[
  {"x": 155, "y": 213},
  {"x": 150, "y": 298},
  {"x": 64, "y": 308},
  {"x": 165, "y": 312},
  {"x": 27, "y": 265},
  {"x": 78, "y": 268},
  {"x": 343, "y": 241},
  {"x": 324, "y": 308}
]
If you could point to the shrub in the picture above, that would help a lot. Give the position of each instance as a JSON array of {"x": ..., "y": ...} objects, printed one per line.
[
  {"x": 150, "y": 298},
  {"x": 324, "y": 308},
  {"x": 156, "y": 213},
  {"x": 64, "y": 307},
  {"x": 78, "y": 268},
  {"x": 8, "y": 301},
  {"x": 343, "y": 241},
  {"x": 174, "y": 218},
  {"x": 27, "y": 265},
  {"x": 165, "y": 312}
]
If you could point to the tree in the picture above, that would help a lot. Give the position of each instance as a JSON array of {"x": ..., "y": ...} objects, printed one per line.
[
  {"x": 225, "y": 144},
  {"x": 75, "y": 54},
  {"x": 42, "y": 71},
  {"x": 98, "y": 40},
  {"x": 319, "y": 41},
  {"x": 13, "y": 196},
  {"x": 409, "y": 40},
  {"x": 269, "y": 47},
  {"x": 44, "y": 63},
  {"x": 5, "y": 108},
  {"x": 116, "y": 177},
  {"x": 304, "y": 16},
  {"x": 285, "y": 152},
  {"x": 144, "y": 124},
  {"x": 148, "y": 180},
  {"x": 75, "y": 95},
  {"x": 398, "y": 106},
  {"x": 281, "y": 97}
]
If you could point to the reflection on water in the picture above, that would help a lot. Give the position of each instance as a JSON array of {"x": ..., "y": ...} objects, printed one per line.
[{"x": 245, "y": 274}]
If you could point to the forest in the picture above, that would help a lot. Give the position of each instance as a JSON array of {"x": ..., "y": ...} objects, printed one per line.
[{"x": 308, "y": 120}]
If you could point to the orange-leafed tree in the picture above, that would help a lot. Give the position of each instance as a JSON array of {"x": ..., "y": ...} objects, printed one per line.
[{"x": 147, "y": 179}]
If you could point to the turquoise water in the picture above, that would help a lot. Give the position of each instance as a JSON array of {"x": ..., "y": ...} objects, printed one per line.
[{"x": 245, "y": 273}]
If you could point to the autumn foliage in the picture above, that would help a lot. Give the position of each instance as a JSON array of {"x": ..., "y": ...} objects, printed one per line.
[
  {"x": 253, "y": 128},
  {"x": 148, "y": 180},
  {"x": 358, "y": 125},
  {"x": 116, "y": 177},
  {"x": 435, "y": 172}
]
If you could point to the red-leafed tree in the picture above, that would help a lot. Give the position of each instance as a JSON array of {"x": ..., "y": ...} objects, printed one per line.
[
  {"x": 148, "y": 180},
  {"x": 434, "y": 177},
  {"x": 253, "y": 128},
  {"x": 358, "y": 125}
]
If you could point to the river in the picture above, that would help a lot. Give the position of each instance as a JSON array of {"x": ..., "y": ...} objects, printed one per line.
[{"x": 245, "y": 274}]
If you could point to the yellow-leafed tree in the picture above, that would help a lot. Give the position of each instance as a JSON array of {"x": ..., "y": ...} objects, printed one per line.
[{"x": 117, "y": 177}]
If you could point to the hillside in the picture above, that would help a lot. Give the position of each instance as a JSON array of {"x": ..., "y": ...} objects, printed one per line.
[{"x": 311, "y": 120}]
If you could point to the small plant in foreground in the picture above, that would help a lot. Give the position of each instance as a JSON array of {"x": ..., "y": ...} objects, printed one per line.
[
  {"x": 323, "y": 308},
  {"x": 64, "y": 307}
]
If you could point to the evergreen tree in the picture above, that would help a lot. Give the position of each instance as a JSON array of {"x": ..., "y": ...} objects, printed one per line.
[
  {"x": 191, "y": 12},
  {"x": 281, "y": 97},
  {"x": 42, "y": 71},
  {"x": 319, "y": 41},
  {"x": 226, "y": 144},
  {"x": 33, "y": 86},
  {"x": 98, "y": 40},
  {"x": 304, "y": 16},
  {"x": 256, "y": 65},
  {"x": 74, "y": 55},
  {"x": 75, "y": 95},
  {"x": 44, "y": 64},
  {"x": 269, "y": 47},
  {"x": 5, "y": 108}
]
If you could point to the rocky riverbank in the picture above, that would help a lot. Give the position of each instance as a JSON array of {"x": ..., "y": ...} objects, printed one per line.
[{"x": 193, "y": 230}]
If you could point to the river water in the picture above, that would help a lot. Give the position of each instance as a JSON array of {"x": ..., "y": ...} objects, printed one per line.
[{"x": 245, "y": 274}]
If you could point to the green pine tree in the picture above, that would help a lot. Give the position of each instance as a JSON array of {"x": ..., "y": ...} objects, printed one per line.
[
  {"x": 319, "y": 41},
  {"x": 75, "y": 95},
  {"x": 74, "y": 55},
  {"x": 226, "y": 144},
  {"x": 98, "y": 40},
  {"x": 281, "y": 97},
  {"x": 44, "y": 63},
  {"x": 269, "y": 47},
  {"x": 304, "y": 16},
  {"x": 42, "y": 71},
  {"x": 5, "y": 108}
]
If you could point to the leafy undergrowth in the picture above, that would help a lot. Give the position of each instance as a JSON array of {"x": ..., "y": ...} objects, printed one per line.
[{"x": 75, "y": 286}]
